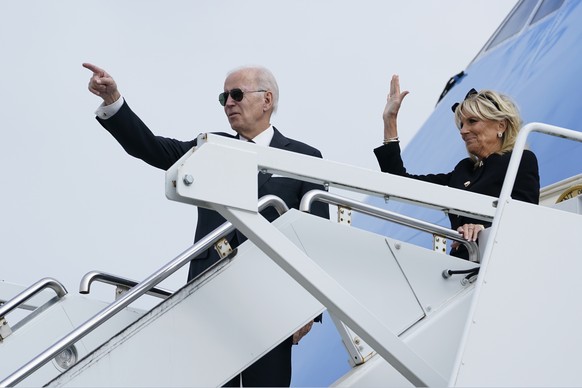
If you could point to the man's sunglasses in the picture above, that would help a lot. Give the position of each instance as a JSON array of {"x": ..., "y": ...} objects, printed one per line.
[
  {"x": 235, "y": 94},
  {"x": 472, "y": 93}
]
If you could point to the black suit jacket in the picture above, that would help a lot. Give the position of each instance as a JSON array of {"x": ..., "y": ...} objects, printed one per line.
[
  {"x": 161, "y": 152},
  {"x": 486, "y": 178}
]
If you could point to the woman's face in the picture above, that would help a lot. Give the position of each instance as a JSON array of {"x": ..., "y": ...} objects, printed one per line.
[{"x": 481, "y": 136}]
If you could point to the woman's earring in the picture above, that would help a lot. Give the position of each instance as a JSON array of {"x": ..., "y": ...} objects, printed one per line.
[{"x": 499, "y": 134}]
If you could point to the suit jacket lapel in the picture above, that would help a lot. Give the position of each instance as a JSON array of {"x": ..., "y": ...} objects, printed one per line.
[{"x": 278, "y": 141}]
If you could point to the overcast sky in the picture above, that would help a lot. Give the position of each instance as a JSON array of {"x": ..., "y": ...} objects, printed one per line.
[{"x": 73, "y": 201}]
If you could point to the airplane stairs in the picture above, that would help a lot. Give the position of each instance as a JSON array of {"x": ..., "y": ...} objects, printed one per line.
[
  {"x": 404, "y": 323},
  {"x": 218, "y": 324},
  {"x": 52, "y": 313}
]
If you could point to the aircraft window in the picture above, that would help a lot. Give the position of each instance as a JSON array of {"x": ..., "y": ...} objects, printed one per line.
[
  {"x": 515, "y": 22},
  {"x": 547, "y": 7}
]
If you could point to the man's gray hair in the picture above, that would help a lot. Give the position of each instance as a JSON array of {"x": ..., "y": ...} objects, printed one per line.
[{"x": 264, "y": 80}]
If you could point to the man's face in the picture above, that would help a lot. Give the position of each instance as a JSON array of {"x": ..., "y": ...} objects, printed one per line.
[{"x": 249, "y": 116}]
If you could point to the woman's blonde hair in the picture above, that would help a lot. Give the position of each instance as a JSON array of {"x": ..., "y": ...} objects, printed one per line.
[{"x": 491, "y": 105}]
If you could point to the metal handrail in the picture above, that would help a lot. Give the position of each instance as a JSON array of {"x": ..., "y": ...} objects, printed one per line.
[
  {"x": 31, "y": 291},
  {"x": 364, "y": 208},
  {"x": 114, "y": 280},
  {"x": 133, "y": 294},
  {"x": 513, "y": 167},
  {"x": 28, "y": 307},
  {"x": 520, "y": 144}
]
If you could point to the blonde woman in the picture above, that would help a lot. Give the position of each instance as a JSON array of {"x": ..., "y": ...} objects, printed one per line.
[{"x": 488, "y": 123}]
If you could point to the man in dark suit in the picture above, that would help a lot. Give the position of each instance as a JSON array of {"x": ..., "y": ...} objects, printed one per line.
[{"x": 250, "y": 98}]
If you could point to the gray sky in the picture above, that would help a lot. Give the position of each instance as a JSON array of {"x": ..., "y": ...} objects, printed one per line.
[{"x": 73, "y": 201}]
